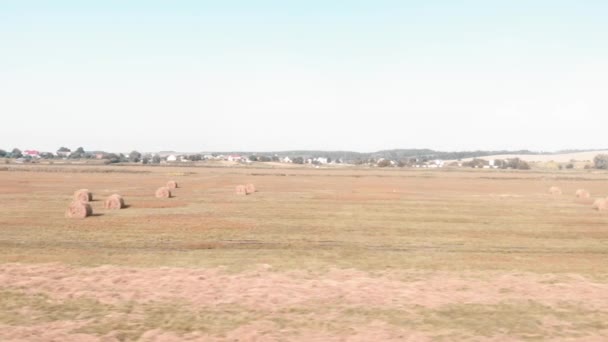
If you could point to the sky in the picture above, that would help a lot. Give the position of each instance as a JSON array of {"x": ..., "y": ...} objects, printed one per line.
[{"x": 274, "y": 75}]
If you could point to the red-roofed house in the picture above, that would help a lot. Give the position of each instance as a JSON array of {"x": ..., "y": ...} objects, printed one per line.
[{"x": 32, "y": 153}]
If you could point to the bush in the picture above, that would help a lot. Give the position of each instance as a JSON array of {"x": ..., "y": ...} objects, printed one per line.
[
  {"x": 384, "y": 163},
  {"x": 501, "y": 164},
  {"x": 476, "y": 163},
  {"x": 601, "y": 161},
  {"x": 113, "y": 158},
  {"x": 518, "y": 164}
]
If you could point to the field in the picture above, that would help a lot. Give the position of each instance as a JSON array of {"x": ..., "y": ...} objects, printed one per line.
[{"x": 315, "y": 254}]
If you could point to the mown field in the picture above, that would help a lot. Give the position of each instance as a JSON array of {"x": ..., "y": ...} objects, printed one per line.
[{"x": 315, "y": 254}]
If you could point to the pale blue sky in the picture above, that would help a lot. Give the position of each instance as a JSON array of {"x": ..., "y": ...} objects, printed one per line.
[{"x": 277, "y": 75}]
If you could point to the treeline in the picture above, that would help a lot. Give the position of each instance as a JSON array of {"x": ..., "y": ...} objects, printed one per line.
[
  {"x": 397, "y": 154},
  {"x": 431, "y": 154}
]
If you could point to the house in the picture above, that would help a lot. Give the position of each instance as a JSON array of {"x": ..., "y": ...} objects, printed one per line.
[
  {"x": 172, "y": 158},
  {"x": 286, "y": 160},
  {"x": 439, "y": 163},
  {"x": 234, "y": 158},
  {"x": 31, "y": 153}
]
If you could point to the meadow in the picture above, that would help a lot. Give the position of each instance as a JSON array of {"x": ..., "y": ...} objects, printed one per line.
[{"x": 315, "y": 254}]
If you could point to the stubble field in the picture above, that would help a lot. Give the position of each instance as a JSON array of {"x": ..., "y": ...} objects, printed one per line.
[{"x": 315, "y": 254}]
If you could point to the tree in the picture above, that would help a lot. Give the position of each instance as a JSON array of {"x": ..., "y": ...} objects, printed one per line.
[
  {"x": 384, "y": 163},
  {"x": 134, "y": 157},
  {"x": 298, "y": 160},
  {"x": 113, "y": 158},
  {"x": 16, "y": 153},
  {"x": 156, "y": 159},
  {"x": 78, "y": 154},
  {"x": 64, "y": 149},
  {"x": 501, "y": 164},
  {"x": 195, "y": 157},
  {"x": 601, "y": 161},
  {"x": 253, "y": 158},
  {"x": 2, "y": 153},
  {"x": 511, "y": 163},
  {"x": 517, "y": 164},
  {"x": 476, "y": 163}
]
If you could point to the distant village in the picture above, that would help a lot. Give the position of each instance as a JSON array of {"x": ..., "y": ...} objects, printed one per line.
[
  {"x": 65, "y": 154},
  {"x": 317, "y": 159}
]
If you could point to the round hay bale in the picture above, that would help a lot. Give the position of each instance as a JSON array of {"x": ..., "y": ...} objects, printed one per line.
[
  {"x": 250, "y": 188},
  {"x": 114, "y": 201},
  {"x": 600, "y": 204},
  {"x": 241, "y": 190},
  {"x": 83, "y": 195},
  {"x": 163, "y": 192},
  {"x": 555, "y": 191},
  {"x": 582, "y": 194},
  {"x": 78, "y": 210},
  {"x": 172, "y": 184}
]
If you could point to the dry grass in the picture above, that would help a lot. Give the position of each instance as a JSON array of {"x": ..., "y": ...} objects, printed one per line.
[{"x": 376, "y": 221}]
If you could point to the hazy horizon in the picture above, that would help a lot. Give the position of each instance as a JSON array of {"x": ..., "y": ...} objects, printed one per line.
[
  {"x": 356, "y": 76},
  {"x": 73, "y": 148}
]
